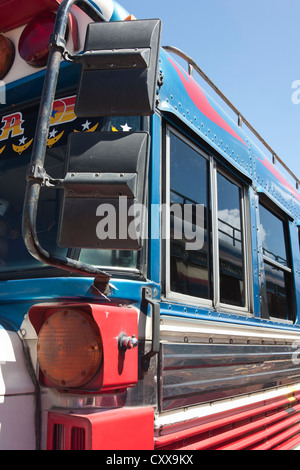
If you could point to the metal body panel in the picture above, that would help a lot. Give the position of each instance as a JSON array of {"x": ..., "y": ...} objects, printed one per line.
[{"x": 197, "y": 373}]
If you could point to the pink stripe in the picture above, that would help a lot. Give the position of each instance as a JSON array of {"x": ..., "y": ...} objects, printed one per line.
[{"x": 199, "y": 99}]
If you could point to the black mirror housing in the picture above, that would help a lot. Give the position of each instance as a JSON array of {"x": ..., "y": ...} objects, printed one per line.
[
  {"x": 105, "y": 184},
  {"x": 119, "y": 69}
]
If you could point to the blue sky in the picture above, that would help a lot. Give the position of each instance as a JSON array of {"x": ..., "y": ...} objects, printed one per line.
[{"x": 250, "y": 49}]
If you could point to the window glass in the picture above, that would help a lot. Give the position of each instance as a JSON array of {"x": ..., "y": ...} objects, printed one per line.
[
  {"x": 278, "y": 276},
  {"x": 13, "y": 163},
  {"x": 190, "y": 268},
  {"x": 277, "y": 283},
  {"x": 109, "y": 258},
  {"x": 17, "y": 131},
  {"x": 231, "y": 257},
  {"x": 272, "y": 234}
]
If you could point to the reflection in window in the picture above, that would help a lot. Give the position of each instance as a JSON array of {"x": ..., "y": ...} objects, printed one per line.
[
  {"x": 190, "y": 269},
  {"x": 13, "y": 252},
  {"x": 278, "y": 274},
  {"x": 277, "y": 292},
  {"x": 109, "y": 258},
  {"x": 273, "y": 239},
  {"x": 231, "y": 256}
]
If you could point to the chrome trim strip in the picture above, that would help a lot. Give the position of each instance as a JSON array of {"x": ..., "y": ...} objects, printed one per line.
[{"x": 198, "y": 373}]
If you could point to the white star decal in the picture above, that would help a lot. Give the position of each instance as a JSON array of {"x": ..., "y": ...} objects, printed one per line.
[
  {"x": 52, "y": 134},
  {"x": 126, "y": 128},
  {"x": 22, "y": 141},
  {"x": 86, "y": 126}
]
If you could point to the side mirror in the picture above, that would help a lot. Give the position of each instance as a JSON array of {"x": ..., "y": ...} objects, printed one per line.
[
  {"x": 105, "y": 191},
  {"x": 119, "y": 69}
]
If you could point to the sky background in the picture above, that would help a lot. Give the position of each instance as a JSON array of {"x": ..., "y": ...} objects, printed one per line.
[{"x": 250, "y": 50}]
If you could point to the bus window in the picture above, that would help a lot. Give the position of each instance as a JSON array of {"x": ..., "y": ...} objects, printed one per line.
[
  {"x": 214, "y": 271},
  {"x": 13, "y": 253},
  {"x": 189, "y": 269},
  {"x": 230, "y": 236},
  {"x": 278, "y": 273}
]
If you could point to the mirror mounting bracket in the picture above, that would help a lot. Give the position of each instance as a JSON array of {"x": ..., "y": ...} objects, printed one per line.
[{"x": 39, "y": 175}]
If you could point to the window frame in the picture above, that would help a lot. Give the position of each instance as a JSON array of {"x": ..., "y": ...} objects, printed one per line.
[
  {"x": 166, "y": 217},
  {"x": 213, "y": 168},
  {"x": 246, "y": 242},
  {"x": 275, "y": 211}
]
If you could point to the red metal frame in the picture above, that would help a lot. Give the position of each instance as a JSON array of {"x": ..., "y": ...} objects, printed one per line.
[{"x": 119, "y": 429}]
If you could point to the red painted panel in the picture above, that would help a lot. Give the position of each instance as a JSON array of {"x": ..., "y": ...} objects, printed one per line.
[
  {"x": 289, "y": 444},
  {"x": 264, "y": 425},
  {"x": 282, "y": 440},
  {"x": 14, "y": 13},
  {"x": 259, "y": 433},
  {"x": 119, "y": 429}
]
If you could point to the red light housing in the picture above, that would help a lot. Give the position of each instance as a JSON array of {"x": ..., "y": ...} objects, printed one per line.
[
  {"x": 7, "y": 55},
  {"x": 79, "y": 346},
  {"x": 34, "y": 40}
]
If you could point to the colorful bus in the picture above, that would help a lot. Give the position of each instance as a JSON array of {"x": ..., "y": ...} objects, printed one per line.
[{"x": 149, "y": 246}]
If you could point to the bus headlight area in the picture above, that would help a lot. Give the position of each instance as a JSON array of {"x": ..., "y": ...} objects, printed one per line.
[{"x": 83, "y": 347}]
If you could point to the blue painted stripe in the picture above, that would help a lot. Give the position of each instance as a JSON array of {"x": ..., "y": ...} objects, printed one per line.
[{"x": 17, "y": 296}]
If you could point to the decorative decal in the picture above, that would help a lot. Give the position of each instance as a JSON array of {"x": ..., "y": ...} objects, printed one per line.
[
  {"x": 200, "y": 100},
  {"x": 17, "y": 130},
  {"x": 22, "y": 145},
  {"x": 15, "y": 126},
  {"x": 53, "y": 138},
  {"x": 280, "y": 178},
  {"x": 126, "y": 128},
  {"x": 63, "y": 111},
  {"x": 86, "y": 127},
  {"x": 12, "y": 126}
]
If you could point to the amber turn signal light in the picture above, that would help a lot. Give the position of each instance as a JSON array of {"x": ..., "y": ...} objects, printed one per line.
[
  {"x": 90, "y": 348},
  {"x": 69, "y": 348}
]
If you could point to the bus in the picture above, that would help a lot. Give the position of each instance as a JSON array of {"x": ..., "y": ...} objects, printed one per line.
[{"x": 149, "y": 246}]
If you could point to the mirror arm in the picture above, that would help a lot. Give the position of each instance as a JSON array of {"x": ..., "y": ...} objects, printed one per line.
[{"x": 34, "y": 183}]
